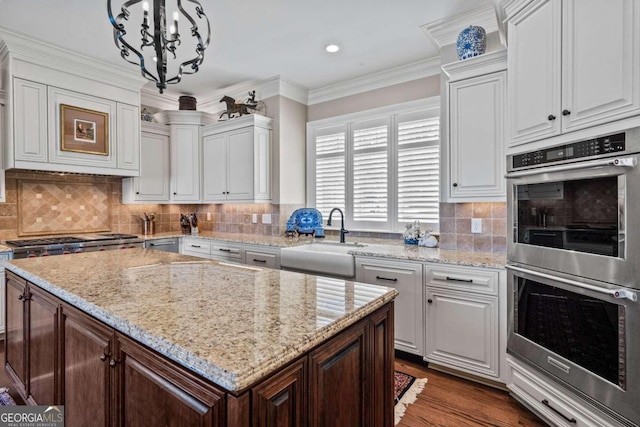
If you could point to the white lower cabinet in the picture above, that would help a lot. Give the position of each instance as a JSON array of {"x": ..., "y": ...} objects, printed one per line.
[
  {"x": 463, "y": 322},
  {"x": 195, "y": 246},
  {"x": 263, "y": 257},
  {"x": 224, "y": 251},
  {"x": 406, "y": 278},
  {"x": 550, "y": 401}
]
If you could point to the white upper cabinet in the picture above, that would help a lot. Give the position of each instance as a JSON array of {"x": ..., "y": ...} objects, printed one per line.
[
  {"x": 237, "y": 160},
  {"x": 153, "y": 183},
  {"x": 573, "y": 64},
  {"x": 185, "y": 163},
  {"x": 29, "y": 122},
  {"x": 128, "y": 148},
  {"x": 476, "y": 97}
]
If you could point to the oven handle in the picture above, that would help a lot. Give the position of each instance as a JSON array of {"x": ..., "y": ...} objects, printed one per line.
[
  {"x": 629, "y": 162},
  {"x": 616, "y": 293}
]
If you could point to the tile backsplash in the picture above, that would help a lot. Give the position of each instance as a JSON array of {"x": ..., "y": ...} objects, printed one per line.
[
  {"x": 19, "y": 215},
  {"x": 455, "y": 227}
]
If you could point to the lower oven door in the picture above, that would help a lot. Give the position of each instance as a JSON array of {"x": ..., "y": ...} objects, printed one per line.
[{"x": 580, "y": 332}]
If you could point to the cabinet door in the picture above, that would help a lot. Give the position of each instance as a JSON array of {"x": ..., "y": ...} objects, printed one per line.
[
  {"x": 280, "y": 401},
  {"x": 407, "y": 279},
  {"x": 153, "y": 182},
  {"x": 87, "y": 351},
  {"x": 462, "y": 331},
  {"x": 15, "y": 336},
  {"x": 185, "y": 163},
  {"x": 128, "y": 138},
  {"x": 214, "y": 164},
  {"x": 43, "y": 348},
  {"x": 240, "y": 165},
  {"x": 30, "y": 121},
  {"x": 262, "y": 259},
  {"x": 477, "y": 142},
  {"x": 262, "y": 164},
  {"x": 534, "y": 72},
  {"x": 600, "y": 69},
  {"x": 338, "y": 379},
  {"x": 382, "y": 377},
  {"x": 155, "y": 392}
]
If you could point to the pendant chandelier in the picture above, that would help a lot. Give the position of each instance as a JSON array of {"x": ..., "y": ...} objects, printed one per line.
[{"x": 162, "y": 42}]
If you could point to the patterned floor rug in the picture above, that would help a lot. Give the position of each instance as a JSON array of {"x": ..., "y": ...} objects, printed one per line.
[
  {"x": 5, "y": 398},
  {"x": 406, "y": 391}
]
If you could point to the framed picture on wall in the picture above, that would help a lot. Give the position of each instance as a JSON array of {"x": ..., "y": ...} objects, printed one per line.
[{"x": 84, "y": 131}]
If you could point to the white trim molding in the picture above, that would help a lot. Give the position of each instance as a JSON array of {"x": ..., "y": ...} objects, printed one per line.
[
  {"x": 445, "y": 31},
  {"x": 477, "y": 65},
  {"x": 150, "y": 97},
  {"x": 392, "y": 76},
  {"x": 29, "y": 50}
]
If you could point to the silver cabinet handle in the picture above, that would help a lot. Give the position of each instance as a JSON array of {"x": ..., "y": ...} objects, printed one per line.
[
  {"x": 386, "y": 278},
  {"x": 259, "y": 260},
  {"x": 196, "y": 246},
  {"x": 224, "y": 250}
]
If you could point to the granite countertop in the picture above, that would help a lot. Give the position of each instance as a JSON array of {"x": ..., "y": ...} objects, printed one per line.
[
  {"x": 381, "y": 248},
  {"x": 232, "y": 324}
]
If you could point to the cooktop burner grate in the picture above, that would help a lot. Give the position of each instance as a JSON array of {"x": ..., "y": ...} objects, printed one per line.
[{"x": 44, "y": 242}]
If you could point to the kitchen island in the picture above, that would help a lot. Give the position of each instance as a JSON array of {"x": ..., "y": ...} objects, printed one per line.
[{"x": 141, "y": 337}]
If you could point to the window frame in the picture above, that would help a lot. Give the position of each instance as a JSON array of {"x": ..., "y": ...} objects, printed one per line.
[{"x": 386, "y": 114}]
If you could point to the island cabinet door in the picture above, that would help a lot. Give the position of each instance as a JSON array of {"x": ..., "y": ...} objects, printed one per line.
[
  {"x": 42, "y": 347},
  {"x": 153, "y": 391},
  {"x": 15, "y": 335},
  {"x": 87, "y": 347},
  {"x": 338, "y": 378},
  {"x": 280, "y": 401},
  {"x": 382, "y": 358}
]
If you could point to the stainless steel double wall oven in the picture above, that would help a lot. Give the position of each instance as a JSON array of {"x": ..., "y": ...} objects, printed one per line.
[{"x": 574, "y": 267}]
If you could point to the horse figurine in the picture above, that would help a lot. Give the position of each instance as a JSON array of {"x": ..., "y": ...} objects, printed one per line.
[{"x": 233, "y": 108}]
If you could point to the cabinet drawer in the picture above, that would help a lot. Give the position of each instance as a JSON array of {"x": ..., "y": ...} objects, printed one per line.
[
  {"x": 262, "y": 259},
  {"x": 462, "y": 278},
  {"x": 550, "y": 401},
  {"x": 196, "y": 247},
  {"x": 226, "y": 252}
]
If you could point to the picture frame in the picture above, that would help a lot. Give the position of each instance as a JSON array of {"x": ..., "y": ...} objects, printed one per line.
[{"x": 84, "y": 131}]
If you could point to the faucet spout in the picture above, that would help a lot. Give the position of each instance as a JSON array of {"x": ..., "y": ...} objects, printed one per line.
[{"x": 342, "y": 230}]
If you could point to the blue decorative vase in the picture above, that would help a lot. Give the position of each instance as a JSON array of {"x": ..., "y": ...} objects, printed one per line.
[
  {"x": 305, "y": 221},
  {"x": 410, "y": 241},
  {"x": 472, "y": 41}
]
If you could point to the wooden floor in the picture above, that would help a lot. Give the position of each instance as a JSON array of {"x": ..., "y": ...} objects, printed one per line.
[
  {"x": 446, "y": 401},
  {"x": 450, "y": 401}
]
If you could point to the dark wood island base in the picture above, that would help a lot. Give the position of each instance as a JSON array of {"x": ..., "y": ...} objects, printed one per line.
[{"x": 57, "y": 354}]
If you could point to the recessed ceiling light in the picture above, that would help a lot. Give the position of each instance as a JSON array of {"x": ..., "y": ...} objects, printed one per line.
[{"x": 332, "y": 48}]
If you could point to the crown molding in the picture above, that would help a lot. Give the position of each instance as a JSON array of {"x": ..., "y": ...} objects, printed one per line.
[
  {"x": 23, "y": 48},
  {"x": 393, "y": 76},
  {"x": 150, "y": 97},
  {"x": 477, "y": 65},
  {"x": 445, "y": 31}
]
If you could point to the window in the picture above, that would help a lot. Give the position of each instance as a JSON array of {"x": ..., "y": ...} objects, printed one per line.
[{"x": 381, "y": 167}]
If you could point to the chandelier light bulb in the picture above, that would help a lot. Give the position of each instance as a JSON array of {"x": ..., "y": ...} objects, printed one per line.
[
  {"x": 145, "y": 6},
  {"x": 176, "y": 15},
  {"x": 172, "y": 29}
]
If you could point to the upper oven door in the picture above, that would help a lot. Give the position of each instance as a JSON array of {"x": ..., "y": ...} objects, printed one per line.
[{"x": 571, "y": 218}]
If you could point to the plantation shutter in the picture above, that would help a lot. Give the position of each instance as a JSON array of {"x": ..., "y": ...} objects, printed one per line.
[
  {"x": 330, "y": 170},
  {"x": 370, "y": 171},
  {"x": 418, "y": 168}
]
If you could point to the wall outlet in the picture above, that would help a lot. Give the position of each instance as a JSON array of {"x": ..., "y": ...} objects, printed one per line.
[
  {"x": 208, "y": 216},
  {"x": 254, "y": 218},
  {"x": 266, "y": 218},
  {"x": 476, "y": 225}
]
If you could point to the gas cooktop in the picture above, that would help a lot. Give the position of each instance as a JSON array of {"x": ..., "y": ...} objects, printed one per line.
[{"x": 65, "y": 240}]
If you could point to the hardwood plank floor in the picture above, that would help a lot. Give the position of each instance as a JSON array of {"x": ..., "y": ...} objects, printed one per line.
[{"x": 449, "y": 401}]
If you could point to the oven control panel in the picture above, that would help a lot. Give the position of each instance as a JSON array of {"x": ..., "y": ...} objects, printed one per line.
[{"x": 587, "y": 148}]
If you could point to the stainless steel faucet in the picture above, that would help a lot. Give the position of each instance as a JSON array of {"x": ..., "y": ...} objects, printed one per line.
[{"x": 342, "y": 230}]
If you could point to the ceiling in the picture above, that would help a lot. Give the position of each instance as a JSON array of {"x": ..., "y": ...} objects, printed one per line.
[{"x": 254, "y": 40}]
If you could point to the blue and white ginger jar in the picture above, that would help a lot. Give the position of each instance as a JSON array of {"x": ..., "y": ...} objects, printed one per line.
[{"x": 472, "y": 41}]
